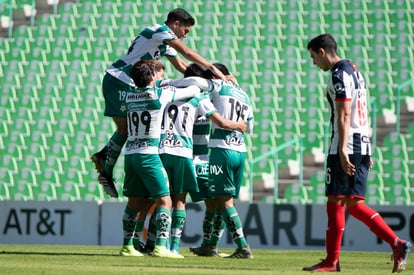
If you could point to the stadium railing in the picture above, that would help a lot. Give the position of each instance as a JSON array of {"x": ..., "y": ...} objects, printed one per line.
[{"x": 275, "y": 154}]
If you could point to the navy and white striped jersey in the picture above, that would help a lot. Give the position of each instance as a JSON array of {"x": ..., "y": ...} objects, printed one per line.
[{"x": 346, "y": 83}]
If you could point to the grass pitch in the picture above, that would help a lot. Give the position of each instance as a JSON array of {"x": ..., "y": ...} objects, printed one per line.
[{"x": 63, "y": 259}]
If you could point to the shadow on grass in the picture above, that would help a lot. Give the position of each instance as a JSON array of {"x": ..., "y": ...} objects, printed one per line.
[{"x": 3, "y": 252}]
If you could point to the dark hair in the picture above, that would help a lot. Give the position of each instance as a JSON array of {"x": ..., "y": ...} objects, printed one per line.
[
  {"x": 194, "y": 70},
  {"x": 222, "y": 68},
  {"x": 180, "y": 15},
  {"x": 324, "y": 41},
  {"x": 142, "y": 72}
]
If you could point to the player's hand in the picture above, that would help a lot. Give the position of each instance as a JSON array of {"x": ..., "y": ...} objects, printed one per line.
[
  {"x": 242, "y": 126},
  {"x": 231, "y": 78},
  {"x": 346, "y": 165}
]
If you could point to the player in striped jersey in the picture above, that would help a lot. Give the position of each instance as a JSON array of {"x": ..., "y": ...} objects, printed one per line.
[
  {"x": 227, "y": 154},
  {"x": 349, "y": 159},
  {"x": 152, "y": 43},
  {"x": 176, "y": 152},
  {"x": 145, "y": 176}
]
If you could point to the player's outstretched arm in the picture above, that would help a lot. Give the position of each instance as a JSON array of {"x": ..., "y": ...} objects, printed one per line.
[{"x": 193, "y": 56}]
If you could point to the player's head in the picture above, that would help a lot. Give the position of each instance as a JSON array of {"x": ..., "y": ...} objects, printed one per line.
[
  {"x": 321, "y": 48},
  {"x": 159, "y": 69},
  {"x": 194, "y": 70},
  {"x": 143, "y": 73},
  {"x": 222, "y": 68},
  {"x": 180, "y": 22}
]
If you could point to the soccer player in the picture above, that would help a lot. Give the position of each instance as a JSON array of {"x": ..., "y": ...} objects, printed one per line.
[
  {"x": 152, "y": 43},
  {"x": 176, "y": 152},
  {"x": 145, "y": 176},
  {"x": 227, "y": 153},
  {"x": 349, "y": 159}
]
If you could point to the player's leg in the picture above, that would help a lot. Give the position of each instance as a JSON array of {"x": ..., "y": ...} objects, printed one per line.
[
  {"x": 226, "y": 181},
  {"x": 179, "y": 216},
  {"x": 371, "y": 218},
  {"x": 336, "y": 186},
  {"x": 139, "y": 227},
  {"x": 130, "y": 225},
  {"x": 114, "y": 92}
]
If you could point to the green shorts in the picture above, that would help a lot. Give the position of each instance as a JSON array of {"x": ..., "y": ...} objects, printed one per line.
[
  {"x": 145, "y": 176},
  {"x": 180, "y": 173},
  {"x": 226, "y": 172},
  {"x": 201, "y": 169},
  {"x": 114, "y": 92}
]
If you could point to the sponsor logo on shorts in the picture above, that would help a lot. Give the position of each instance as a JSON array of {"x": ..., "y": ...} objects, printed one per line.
[{"x": 216, "y": 170}]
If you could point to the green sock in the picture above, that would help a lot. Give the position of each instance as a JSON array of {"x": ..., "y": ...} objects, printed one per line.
[
  {"x": 177, "y": 226},
  {"x": 234, "y": 226},
  {"x": 139, "y": 226},
  {"x": 218, "y": 228},
  {"x": 129, "y": 220},
  {"x": 163, "y": 226},
  {"x": 115, "y": 145},
  {"x": 207, "y": 228}
]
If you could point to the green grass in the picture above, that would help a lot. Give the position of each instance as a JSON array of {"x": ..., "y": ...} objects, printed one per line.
[{"x": 61, "y": 259}]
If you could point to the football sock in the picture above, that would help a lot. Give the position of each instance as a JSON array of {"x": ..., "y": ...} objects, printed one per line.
[
  {"x": 139, "y": 226},
  {"x": 177, "y": 226},
  {"x": 163, "y": 221},
  {"x": 218, "y": 228},
  {"x": 234, "y": 226},
  {"x": 374, "y": 221},
  {"x": 128, "y": 225},
  {"x": 207, "y": 228},
  {"x": 115, "y": 145},
  {"x": 335, "y": 230}
]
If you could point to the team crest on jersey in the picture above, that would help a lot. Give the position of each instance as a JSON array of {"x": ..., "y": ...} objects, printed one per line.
[
  {"x": 234, "y": 139},
  {"x": 122, "y": 107},
  {"x": 170, "y": 141}
]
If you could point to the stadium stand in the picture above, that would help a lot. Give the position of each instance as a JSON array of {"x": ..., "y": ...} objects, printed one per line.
[{"x": 51, "y": 72}]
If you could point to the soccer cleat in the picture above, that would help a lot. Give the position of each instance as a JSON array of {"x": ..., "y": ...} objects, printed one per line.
[
  {"x": 205, "y": 251},
  {"x": 400, "y": 256},
  {"x": 162, "y": 252},
  {"x": 324, "y": 266},
  {"x": 108, "y": 185},
  {"x": 129, "y": 251},
  {"x": 222, "y": 255},
  {"x": 177, "y": 254},
  {"x": 99, "y": 160},
  {"x": 241, "y": 253}
]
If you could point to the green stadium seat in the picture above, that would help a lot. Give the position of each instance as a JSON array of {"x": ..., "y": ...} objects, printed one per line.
[
  {"x": 394, "y": 145},
  {"x": 375, "y": 195},
  {"x": 45, "y": 191},
  {"x": 296, "y": 193},
  {"x": 4, "y": 191},
  {"x": 6, "y": 176},
  {"x": 21, "y": 191},
  {"x": 316, "y": 188},
  {"x": 92, "y": 191},
  {"x": 68, "y": 192},
  {"x": 398, "y": 195}
]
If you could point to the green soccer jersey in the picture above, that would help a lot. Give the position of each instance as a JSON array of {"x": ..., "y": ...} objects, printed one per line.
[
  {"x": 145, "y": 108},
  {"x": 150, "y": 44},
  {"x": 178, "y": 122}
]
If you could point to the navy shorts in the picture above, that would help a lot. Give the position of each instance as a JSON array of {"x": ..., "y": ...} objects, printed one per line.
[{"x": 339, "y": 184}]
